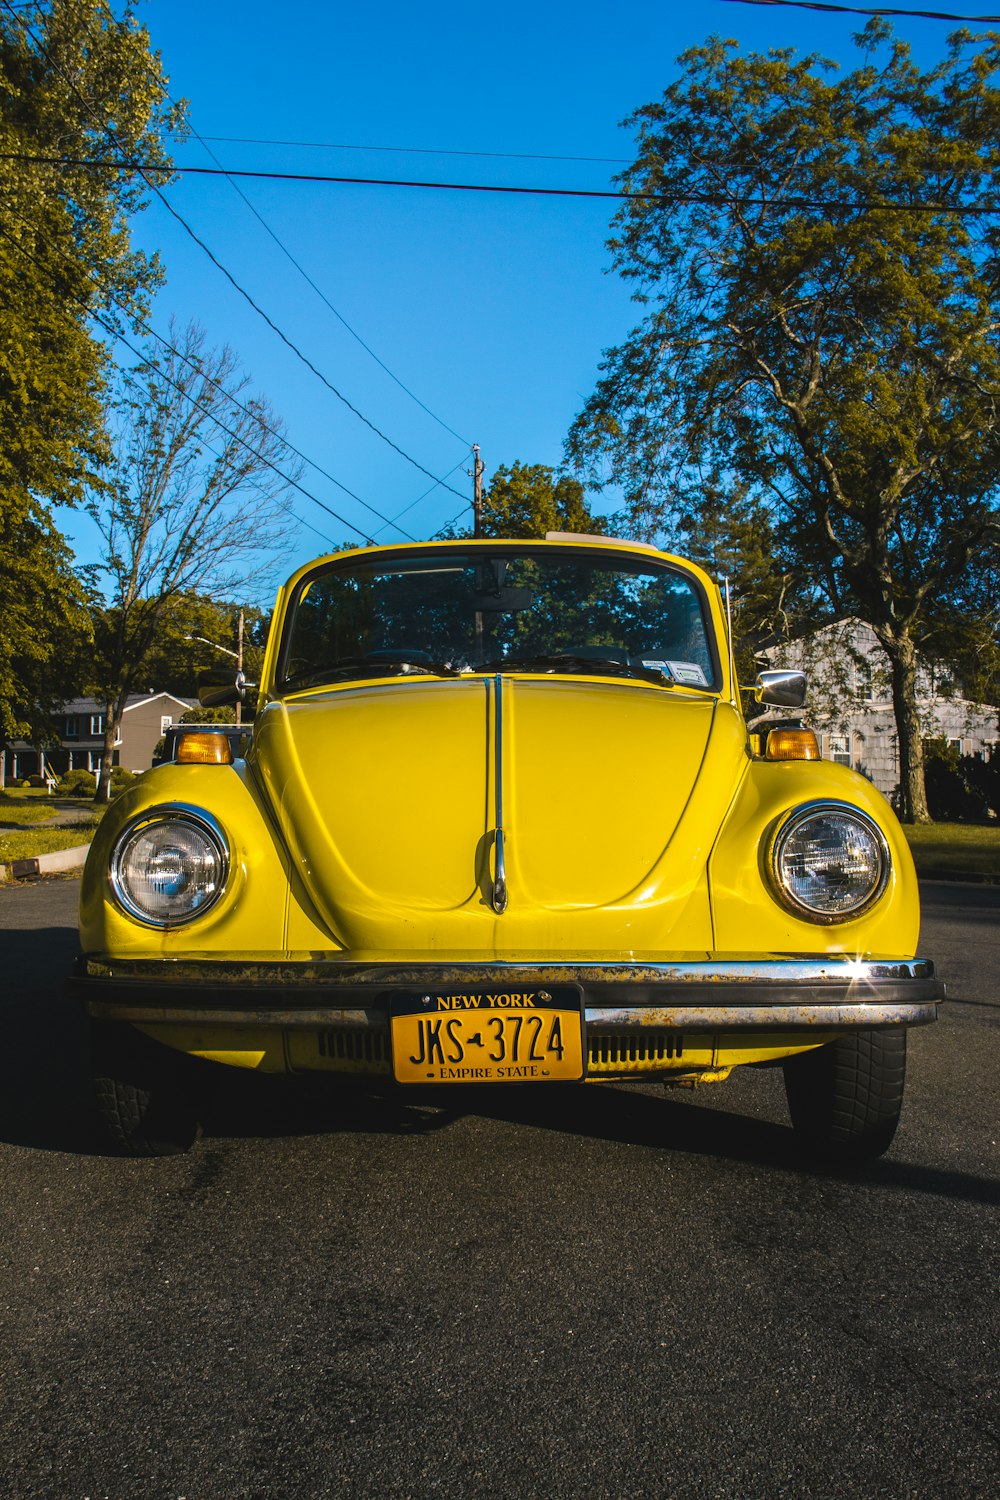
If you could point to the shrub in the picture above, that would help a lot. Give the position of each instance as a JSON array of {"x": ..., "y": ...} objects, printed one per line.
[
  {"x": 78, "y": 783},
  {"x": 960, "y": 788},
  {"x": 982, "y": 774}
]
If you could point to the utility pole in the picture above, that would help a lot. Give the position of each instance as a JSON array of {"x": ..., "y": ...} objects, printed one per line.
[
  {"x": 477, "y": 496},
  {"x": 239, "y": 664}
]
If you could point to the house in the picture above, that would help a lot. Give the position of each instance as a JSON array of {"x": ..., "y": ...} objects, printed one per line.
[
  {"x": 80, "y": 726},
  {"x": 849, "y": 702}
]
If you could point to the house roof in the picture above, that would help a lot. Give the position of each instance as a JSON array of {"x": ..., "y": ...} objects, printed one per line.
[{"x": 95, "y": 706}]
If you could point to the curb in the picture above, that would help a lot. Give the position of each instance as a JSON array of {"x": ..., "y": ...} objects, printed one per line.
[{"x": 56, "y": 862}]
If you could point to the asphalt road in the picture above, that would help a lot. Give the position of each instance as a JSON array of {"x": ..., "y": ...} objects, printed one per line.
[{"x": 601, "y": 1292}]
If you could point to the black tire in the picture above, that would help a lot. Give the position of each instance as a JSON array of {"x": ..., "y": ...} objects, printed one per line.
[
  {"x": 145, "y": 1093},
  {"x": 845, "y": 1098}
]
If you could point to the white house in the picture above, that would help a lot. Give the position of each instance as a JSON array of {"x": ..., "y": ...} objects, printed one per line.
[{"x": 850, "y": 702}]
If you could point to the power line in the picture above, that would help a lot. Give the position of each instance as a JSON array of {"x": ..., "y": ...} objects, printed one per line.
[
  {"x": 323, "y": 297},
  {"x": 120, "y": 337},
  {"x": 146, "y": 328},
  {"x": 143, "y": 170},
  {"x": 289, "y": 343},
  {"x": 151, "y": 364},
  {"x": 400, "y": 513},
  {"x": 243, "y": 140},
  {"x": 865, "y": 10},
  {"x": 681, "y": 199}
]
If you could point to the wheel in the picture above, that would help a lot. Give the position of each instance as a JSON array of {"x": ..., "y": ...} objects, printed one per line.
[
  {"x": 845, "y": 1097},
  {"x": 146, "y": 1099}
]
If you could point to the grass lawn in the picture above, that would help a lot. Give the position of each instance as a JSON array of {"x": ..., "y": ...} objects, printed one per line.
[
  {"x": 26, "y": 845},
  {"x": 27, "y": 823},
  {"x": 965, "y": 848}
]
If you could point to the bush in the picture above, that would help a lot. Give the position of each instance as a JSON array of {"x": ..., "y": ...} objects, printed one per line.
[
  {"x": 960, "y": 788},
  {"x": 223, "y": 715},
  {"x": 982, "y": 773},
  {"x": 78, "y": 783},
  {"x": 82, "y": 783}
]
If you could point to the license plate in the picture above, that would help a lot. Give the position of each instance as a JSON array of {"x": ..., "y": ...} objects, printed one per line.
[{"x": 494, "y": 1036}]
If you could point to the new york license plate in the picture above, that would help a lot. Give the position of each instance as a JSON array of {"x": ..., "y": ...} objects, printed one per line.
[{"x": 488, "y": 1036}]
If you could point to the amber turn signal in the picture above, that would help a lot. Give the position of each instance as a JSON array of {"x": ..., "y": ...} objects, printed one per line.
[
  {"x": 199, "y": 749},
  {"x": 791, "y": 744}
]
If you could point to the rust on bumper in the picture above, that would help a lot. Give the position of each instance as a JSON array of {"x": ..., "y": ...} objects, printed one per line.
[{"x": 733, "y": 994}]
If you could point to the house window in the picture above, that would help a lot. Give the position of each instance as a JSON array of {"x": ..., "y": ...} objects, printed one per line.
[
  {"x": 838, "y": 748},
  {"x": 71, "y": 728},
  {"x": 864, "y": 687},
  {"x": 955, "y": 745},
  {"x": 97, "y": 723},
  {"x": 165, "y": 722}
]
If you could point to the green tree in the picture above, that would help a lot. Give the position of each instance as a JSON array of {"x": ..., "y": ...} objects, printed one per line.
[
  {"x": 816, "y": 258},
  {"x": 528, "y": 500},
  {"x": 78, "y": 84},
  {"x": 195, "y": 634},
  {"x": 192, "y": 502}
]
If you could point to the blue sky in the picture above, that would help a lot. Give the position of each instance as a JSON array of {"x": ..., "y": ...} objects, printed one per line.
[{"x": 493, "y": 310}]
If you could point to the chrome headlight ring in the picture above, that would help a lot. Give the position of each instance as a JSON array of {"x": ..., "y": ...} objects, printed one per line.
[
  {"x": 169, "y": 865},
  {"x": 828, "y": 862}
]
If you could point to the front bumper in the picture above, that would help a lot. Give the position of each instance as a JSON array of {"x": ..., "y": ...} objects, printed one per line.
[{"x": 736, "y": 994}]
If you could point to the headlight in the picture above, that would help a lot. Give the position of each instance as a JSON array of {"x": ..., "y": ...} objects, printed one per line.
[
  {"x": 169, "y": 865},
  {"x": 829, "y": 861}
]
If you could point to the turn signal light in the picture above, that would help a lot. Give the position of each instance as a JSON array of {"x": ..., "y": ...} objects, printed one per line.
[
  {"x": 792, "y": 744},
  {"x": 204, "y": 750}
]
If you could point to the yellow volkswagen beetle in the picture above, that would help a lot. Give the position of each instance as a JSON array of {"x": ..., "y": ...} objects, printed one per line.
[{"x": 502, "y": 821}]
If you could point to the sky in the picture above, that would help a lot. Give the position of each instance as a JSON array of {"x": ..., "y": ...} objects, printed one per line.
[{"x": 491, "y": 310}]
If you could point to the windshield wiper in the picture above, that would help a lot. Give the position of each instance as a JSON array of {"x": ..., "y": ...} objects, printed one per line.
[
  {"x": 380, "y": 665},
  {"x": 567, "y": 661}
]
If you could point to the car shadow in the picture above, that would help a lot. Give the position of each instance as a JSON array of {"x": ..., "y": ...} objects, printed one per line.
[
  {"x": 46, "y": 1101},
  {"x": 666, "y": 1121},
  {"x": 45, "y": 1095}
]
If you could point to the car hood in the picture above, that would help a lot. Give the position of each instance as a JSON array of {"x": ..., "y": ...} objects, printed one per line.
[{"x": 611, "y": 794}]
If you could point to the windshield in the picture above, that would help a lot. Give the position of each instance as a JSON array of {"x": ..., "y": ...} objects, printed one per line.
[{"x": 512, "y": 608}]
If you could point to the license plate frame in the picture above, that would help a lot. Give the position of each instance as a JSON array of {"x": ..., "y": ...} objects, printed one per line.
[{"x": 489, "y": 1035}]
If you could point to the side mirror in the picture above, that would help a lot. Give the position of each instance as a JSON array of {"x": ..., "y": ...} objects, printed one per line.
[
  {"x": 783, "y": 689},
  {"x": 222, "y": 688}
]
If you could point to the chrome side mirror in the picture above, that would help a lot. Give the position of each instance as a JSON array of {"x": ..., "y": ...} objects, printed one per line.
[
  {"x": 221, "y": 688},
  {"x": 783, "y": 689}
]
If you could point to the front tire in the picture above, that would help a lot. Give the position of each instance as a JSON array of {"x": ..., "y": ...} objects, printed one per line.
[
  {"x": 145, "y": 1095},
  {"x": 845, "y": 1097}
]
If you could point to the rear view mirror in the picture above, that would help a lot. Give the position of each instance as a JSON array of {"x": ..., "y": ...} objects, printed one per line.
[{"x": 504, "y": 600}]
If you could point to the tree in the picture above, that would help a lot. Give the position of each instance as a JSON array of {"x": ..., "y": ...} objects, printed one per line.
[
  {"x": 527, "y": 500},
  {"x": 191, "y": 503},
  {"x": 195, "y": 635},
  {"x": 45, "y": 631},
  {"x": 79, "y": 85},
  {"x": 818, "y": 264}
]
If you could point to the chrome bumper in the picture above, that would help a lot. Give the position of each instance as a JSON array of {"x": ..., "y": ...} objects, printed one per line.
[{"x": 730, "y": 994}]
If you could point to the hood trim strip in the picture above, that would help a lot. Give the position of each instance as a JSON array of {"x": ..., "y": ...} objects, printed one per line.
[{"x": 500, "y": 865}]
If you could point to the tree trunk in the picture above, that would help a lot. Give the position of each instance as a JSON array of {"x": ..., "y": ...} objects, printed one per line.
[
  {"x": 112, "y": 719},
  {"x": 912, "y": 790}
]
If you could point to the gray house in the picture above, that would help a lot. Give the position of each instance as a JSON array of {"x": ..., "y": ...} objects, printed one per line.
[
  {"x": 80, "y": 724},
  {"x": 850, "y": 702}
]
